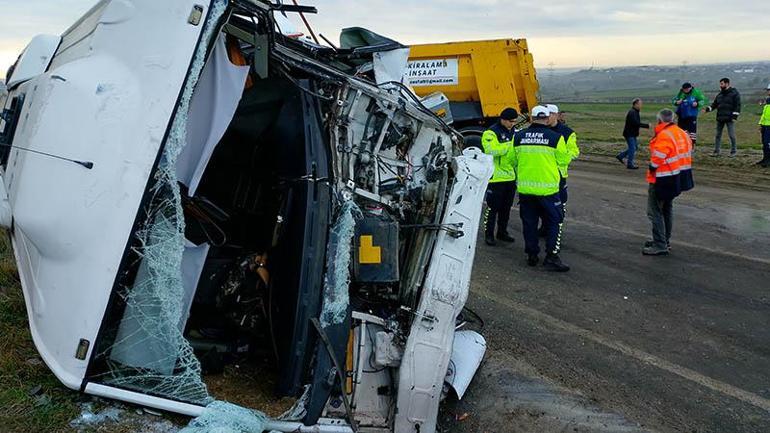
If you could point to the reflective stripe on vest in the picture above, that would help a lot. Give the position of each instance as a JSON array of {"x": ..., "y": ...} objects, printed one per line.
[
  {"x": 533, "y": 184},
  {"x": 667, "y": 173}
]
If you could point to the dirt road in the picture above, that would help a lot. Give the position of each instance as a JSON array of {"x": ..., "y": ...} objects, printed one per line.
[{"x": 626, "y": 342}]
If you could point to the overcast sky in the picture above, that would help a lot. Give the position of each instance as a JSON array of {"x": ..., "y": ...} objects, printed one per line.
[{"x": 566, "y": 33}]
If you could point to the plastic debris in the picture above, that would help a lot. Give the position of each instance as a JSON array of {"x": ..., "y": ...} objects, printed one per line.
[{"x": 90, "y": 418}]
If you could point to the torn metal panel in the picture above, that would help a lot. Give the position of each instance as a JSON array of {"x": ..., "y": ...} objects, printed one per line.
[
  {"x": 428, "y": 350},
  {"x": 467, "y": 353}
]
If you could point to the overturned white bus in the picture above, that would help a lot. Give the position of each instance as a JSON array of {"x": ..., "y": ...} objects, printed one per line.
[{"x": 186, "y": 184}]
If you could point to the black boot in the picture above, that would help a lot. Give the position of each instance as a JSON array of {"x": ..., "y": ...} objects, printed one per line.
[
  {"x": 553, "y": 263},
  {"x": 490, "y": 240},
  {"x": 532, "y": 259},
  {"x": 505, "y": 237}
]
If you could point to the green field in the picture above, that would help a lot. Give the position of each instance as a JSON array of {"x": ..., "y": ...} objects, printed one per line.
[{"x": 603, "y": 123}]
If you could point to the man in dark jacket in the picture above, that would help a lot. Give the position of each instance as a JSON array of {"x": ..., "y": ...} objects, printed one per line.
[
  {"x": 728, "y": 106},
  {"x": 631, "y": 134}
]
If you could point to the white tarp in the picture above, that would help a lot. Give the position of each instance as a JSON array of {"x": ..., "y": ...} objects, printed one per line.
[
  {"x": 390, "y": 65},
  {"x": 212, "y": 109}
]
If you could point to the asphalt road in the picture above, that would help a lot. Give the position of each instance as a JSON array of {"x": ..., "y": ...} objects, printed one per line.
[{"x": 625, "y": 342}]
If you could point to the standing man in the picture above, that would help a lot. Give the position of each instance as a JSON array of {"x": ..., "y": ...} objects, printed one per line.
[
  {"x": 631, "y": 134},
  {"x": 728, "y": 106},
  {"x": 689, "y": 101},
  {"x": 498, "y": 142},
  {"x": 537, "y": 154},
  {"x": 764, "y": 128},
  {"x": 570, "y": 138},
  {"x": 669, "y": 174}
]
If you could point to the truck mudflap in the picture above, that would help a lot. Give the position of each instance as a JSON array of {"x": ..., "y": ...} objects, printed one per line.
[{"x": 429, "y": 346}]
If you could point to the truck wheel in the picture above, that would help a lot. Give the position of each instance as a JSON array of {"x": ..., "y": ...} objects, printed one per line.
[
  {"x": 473, "y": 141},
  {"x": 472, "y": 136}
]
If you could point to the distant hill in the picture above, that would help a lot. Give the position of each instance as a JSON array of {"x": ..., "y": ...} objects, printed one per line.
[{"x": 654, "y": 83}]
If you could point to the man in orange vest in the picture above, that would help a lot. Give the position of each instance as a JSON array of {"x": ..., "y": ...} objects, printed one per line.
[{"x": 669, "y": 174}]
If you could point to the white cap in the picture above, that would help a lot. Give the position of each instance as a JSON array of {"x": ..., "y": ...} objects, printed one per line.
[
  {"x": 540, "y": 112},
  {"x": 553, "y": 109},
  {"x": 768, "y": 87}
]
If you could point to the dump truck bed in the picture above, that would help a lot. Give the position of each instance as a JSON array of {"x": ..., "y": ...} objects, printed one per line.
[{"x": 480, "y": 78}]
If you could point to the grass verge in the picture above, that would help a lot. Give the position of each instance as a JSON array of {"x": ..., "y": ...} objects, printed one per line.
[
  {"x": 31, "y": 398},
  {"x": 598, "y": 122}
]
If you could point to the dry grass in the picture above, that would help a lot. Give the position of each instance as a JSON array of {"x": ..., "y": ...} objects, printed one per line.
[
  {"x": 247, "y": 386},
  {"x": 31, "y": 398}
]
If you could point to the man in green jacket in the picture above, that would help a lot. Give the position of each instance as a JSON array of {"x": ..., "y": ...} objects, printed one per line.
[
  {"x": 498, "y": 142},
  {"x": 538, "y": 152},
  {"x": 688, "y": 102},
  {"x": 764, "y": 128}
]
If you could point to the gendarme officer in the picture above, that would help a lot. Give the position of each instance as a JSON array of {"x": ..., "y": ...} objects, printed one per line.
[
  {"x": 498, "y": 142},
  {"x": 538, "y": 152}
]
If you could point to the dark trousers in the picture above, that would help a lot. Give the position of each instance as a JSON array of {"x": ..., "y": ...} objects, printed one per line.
[
  {"x": 766, "y": 143},
  {"x": 564, "y": 196},
  {"x": 499, "y": 202},
  {"x": 690, "y": 124},
  {"x": 630, "y": 152},
  {"x": 661, "y": 215},
  {"x": 730, "y": 132},
  {"x": 534, "y": 208}
]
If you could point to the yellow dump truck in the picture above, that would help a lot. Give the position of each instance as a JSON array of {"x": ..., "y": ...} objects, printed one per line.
[{"x": 480, "y": 78}]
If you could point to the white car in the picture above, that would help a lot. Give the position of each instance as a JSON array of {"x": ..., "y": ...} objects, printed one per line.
[{"x": 185, "y": 184}]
